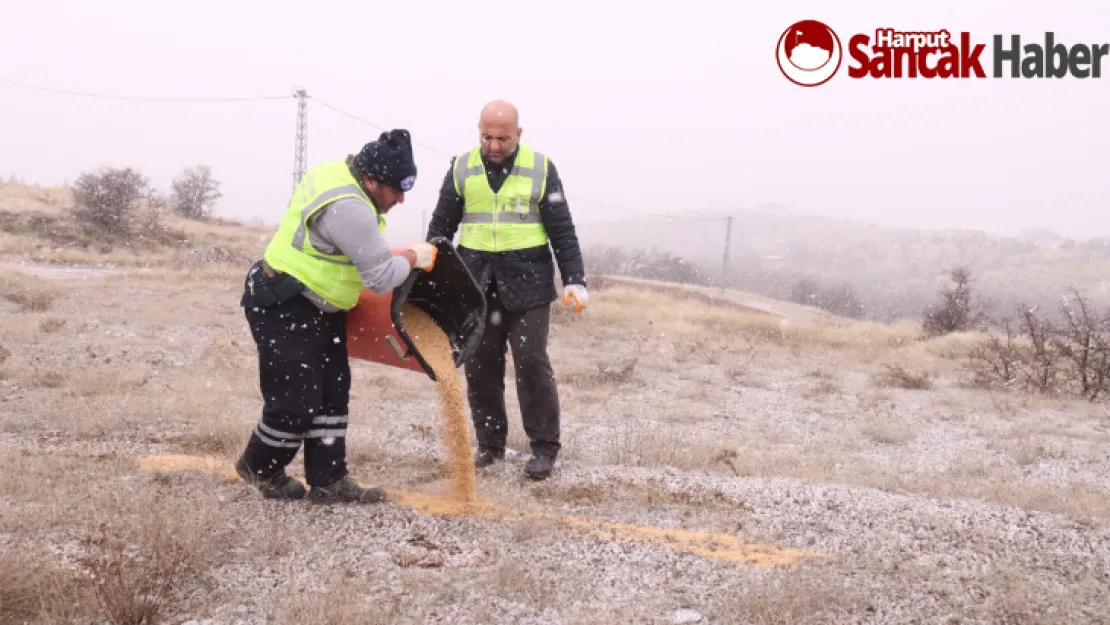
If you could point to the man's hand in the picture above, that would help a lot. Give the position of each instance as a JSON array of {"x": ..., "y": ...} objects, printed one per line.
[
  {"x": 576, "y": 293},
  {"x": 423, "y": 255}
]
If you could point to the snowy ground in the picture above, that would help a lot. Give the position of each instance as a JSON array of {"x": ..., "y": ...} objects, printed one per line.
[{"x": 946, "y": 505}]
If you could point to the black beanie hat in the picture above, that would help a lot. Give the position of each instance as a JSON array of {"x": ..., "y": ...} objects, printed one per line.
[{"x": 389, "y": 160}]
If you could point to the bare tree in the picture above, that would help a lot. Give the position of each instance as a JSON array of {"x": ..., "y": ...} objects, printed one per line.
[
  {"x": 956, "y": 312},
  {"x": 195, "y": 192},
  {"x": 995, "y": 360},
  {"x": 1042, "y": 367},
  {"x": 108, "y": 198},
  {"x": 1084, "y": 341},
  {"x": 157, "y": 205},
  {"x": 1071, "y": 357}
]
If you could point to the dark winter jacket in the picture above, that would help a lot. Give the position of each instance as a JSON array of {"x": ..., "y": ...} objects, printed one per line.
[{"x": 522, "y": 279}]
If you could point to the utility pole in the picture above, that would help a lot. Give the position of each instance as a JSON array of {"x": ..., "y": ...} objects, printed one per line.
[{"x": 300, "y": 156}]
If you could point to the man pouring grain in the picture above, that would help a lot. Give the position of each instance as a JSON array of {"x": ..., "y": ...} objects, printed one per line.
[
  {"x": 509, "y": 202},
  {"x": 329, "y": 247}
]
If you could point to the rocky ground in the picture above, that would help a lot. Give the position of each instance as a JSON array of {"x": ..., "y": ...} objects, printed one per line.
[{"x": 718, "y": 469}]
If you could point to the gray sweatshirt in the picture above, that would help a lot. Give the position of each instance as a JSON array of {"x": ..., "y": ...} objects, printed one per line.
[{"x": 346, "y": 226}]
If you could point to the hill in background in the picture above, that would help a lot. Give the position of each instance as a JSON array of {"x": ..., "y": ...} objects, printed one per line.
[
  {"x": 894, "y": 273},
  {"x": 850, "y": 269}
]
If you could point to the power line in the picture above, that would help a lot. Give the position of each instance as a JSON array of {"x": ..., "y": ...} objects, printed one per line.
[
  {"x": 301, "y": 95},
  {"x": 378, "y": 126},
  {"x": 449, "y": 155},
  {"x": 104, "y": 96}
]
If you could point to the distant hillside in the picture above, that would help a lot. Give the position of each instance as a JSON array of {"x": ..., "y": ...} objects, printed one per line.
[
  {"x": 38, "y": 223},
  {"x": 850, "y": 269},
  {"x": 895, "y": 272}
]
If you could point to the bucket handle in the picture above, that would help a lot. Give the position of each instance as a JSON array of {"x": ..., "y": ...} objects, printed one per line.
[{"x": 389, "y": 338}]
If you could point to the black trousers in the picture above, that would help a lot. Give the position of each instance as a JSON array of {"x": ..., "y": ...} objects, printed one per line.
[
  {"x": 526, "y": 333},
  {"x": 305, "y": 379}
]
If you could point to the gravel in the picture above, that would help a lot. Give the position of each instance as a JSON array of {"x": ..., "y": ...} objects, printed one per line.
[{"x": 920, "y": 506}]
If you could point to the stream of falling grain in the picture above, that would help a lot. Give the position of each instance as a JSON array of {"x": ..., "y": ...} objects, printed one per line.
[{"x": 436, "y": 349}]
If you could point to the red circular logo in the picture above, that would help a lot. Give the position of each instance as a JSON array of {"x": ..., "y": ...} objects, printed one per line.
[{"x": 809, "y": 53}]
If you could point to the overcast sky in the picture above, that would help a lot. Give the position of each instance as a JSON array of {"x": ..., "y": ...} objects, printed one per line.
[{"x": 659, "y": 107}]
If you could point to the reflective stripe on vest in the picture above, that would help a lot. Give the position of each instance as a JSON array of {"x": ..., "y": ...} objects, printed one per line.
[
  {"x": 332, "y": 276},
  {"x": 509, "y": 219}
]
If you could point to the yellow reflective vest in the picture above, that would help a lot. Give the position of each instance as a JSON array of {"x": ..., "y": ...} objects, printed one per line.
[
  {"x": 509, "y": 219},
  {"x": 332, "y": 276}
]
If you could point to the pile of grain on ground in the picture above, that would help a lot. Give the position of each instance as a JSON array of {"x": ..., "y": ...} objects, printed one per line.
[{"x": 436, "y": 349}]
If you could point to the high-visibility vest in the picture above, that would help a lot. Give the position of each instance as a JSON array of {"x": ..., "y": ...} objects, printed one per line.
[
  {"x": 506, "y": 220},
  {"x": 332, "y": 276}
]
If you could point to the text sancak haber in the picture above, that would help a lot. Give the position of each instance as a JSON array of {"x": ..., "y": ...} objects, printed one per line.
[{"x": 906, "y": 54}]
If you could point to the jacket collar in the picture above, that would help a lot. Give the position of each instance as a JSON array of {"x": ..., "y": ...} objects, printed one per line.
[{"x": 507, "y": 165}]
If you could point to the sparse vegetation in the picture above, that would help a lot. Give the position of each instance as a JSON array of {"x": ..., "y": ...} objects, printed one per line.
[
  {"x": 957, "y": 310},
  {"x": 897, "y": 376},
  {"x": 36, "y": 589},
  {"x": 839, "y": 299},
  {"x": 195, "y": 192},
  {"x": 848, "y": 438},
  {"x": 1033, "y": 352},
  {"x": 134, "y": 587},
  {"x": 109, "y": 198},
  {"x": 28, "y": 294}
]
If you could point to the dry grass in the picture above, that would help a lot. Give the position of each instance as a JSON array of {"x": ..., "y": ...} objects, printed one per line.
[
  {"x": 342, "y": 602},
  {"x": 886, "y": 428},
  {"x": 690, "y": 399},
  {"x": 35, "y": 588},
  {"x": 26, "y": 292},
  {"x": 644, "y": 443},
  {"x": 897, "y": 376},
  {"x": 665, "y": 315}
]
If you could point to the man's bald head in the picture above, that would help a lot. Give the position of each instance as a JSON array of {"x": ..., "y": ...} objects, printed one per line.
[
  {"x": 500, "y": 110},
  {"x": 499, "y": 130}
]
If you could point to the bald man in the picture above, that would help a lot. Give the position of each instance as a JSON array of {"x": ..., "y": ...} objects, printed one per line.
[{"x": 509, "y": 202}]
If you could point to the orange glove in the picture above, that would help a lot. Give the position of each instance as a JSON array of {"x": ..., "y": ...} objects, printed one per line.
[
  {"x": 426, "y": 254},
  {"x": 576, "y": 293}
]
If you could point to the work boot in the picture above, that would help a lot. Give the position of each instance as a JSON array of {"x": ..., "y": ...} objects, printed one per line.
[
  {"x": 487, "y": 456},
  {"x": 345, "y": 490},
  {"x": 280, "y": 486},
  {"x": 539, "y": 467}
]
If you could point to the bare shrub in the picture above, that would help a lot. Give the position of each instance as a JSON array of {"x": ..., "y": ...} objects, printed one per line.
[
  {"x": 195, "y": 192},
  {"x": 821, "y": 388},
  {"x": 956, "y": 312},
  {"x": 30, "y": 294},
  {"x": 638, "y": 443},
  {"x": 51, "y": 325},
  {"x": 33, "y": 589},
  {"x": 156, "y": 207},
  {"x": 109, "y": 198},
  {"x": 1024, "y": 357},
  {"x": 605, "y": 375},
  {"x": 1033, "y": 353},
  {"x": 1084, "y": 342},
  {"x": 133, "y": 585},
  {"x": 897, "y": 376}
]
